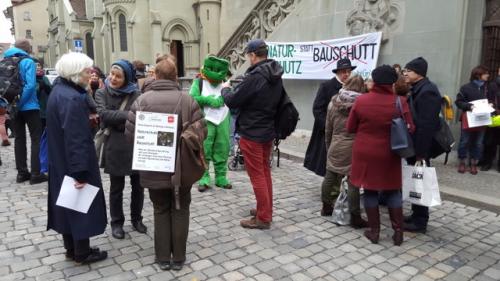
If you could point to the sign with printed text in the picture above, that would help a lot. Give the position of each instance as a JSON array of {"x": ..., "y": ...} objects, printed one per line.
[
  {"x": 78, "y": 44},
  {"x": 315, "y": 60},
  {"x": 155, "y": 142}
]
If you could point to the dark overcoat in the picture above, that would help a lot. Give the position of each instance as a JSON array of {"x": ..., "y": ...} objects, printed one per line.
[
  {"x": 118, "y": 152},
  {"x": 71, "y": 152},
  {"x": 315, "y": 159},
  {"x": 374, "y": 165}
]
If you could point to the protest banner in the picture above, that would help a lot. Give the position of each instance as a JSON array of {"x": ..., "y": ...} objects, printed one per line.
[
  {"x": 155, "y": 142},
  {"x": 315, "y": 60}
]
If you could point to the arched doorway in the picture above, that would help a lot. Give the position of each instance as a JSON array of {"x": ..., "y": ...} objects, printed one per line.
[
  {"x": 177, "y": 50},
  {"x": 491, "y": 36},
  {"x": 89, "y": 43}
]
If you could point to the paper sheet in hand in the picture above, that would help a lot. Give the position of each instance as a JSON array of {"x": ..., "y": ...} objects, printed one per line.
[
  {"x": 216, "y": 115},
  {"x": 482, "y": 106},
  {"x": 76, "y": 199}
]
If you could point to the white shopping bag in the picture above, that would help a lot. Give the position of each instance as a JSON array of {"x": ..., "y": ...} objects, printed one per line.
[
  {"x": 420, "y": 185},
  {"x": 341, "y": 215}
]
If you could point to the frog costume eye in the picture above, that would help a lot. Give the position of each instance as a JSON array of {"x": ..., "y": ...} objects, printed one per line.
[{"x": 215, "y": 69}]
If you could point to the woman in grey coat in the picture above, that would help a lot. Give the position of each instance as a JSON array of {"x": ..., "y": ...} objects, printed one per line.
[{"x": 120, "y": 88}]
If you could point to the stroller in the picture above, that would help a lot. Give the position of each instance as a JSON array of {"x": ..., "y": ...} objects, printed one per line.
[{"x": 238, "y": 163}]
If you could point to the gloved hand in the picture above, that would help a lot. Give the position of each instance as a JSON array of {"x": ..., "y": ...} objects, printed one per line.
[{"x": 215, "y": 102}]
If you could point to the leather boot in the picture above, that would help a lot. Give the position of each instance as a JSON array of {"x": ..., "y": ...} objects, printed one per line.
[
  {"x": 396, "y": 216},
  {"x": 357, "y": 221},
  {"x": 327, "y": 210},
  {"x": 374, "y": 224},
  {"x": 473, "y": 167},
  {"x": 461, "y": 166}
]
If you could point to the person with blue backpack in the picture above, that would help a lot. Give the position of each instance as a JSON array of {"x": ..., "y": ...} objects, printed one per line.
[{"x": 25, "y": 110}]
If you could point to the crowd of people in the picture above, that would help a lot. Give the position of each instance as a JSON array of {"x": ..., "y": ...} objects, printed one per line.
[{"x": 350, "y": 139}]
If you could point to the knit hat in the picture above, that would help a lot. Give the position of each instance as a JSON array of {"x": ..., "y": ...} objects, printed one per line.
[
  {"x": 128, "y": 70},
  {"x": 384, "y": 75},
  {"x": 418, "y": 65}
]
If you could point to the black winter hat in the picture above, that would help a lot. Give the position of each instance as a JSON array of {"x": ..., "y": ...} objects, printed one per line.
[
  {"x": 418, "y": 65},
  {"x": 344, "y": 63},
  {"x": 384, "y": 75}
]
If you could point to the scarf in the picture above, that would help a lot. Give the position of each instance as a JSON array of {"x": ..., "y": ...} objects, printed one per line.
[{"x": 127, "y": 89}]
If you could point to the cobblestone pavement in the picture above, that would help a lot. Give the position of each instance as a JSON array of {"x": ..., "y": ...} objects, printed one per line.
[{"x": 462, "y": 243}]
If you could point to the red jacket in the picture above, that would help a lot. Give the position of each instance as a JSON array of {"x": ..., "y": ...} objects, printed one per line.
[{"x": 374, "y": 165}]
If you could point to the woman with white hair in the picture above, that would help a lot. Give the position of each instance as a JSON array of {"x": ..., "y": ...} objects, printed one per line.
[{"x": 71, "y": 152}]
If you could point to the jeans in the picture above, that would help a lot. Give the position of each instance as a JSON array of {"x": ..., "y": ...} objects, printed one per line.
[
  {"x": 471, "y": 144},
  {"x": 32, "y": 119},
  {"x": 256, "y": 157},
  {"x": 171, "y": 225},
  {"x": 491, "y": 141},
  {"x": 116, "y": 199},
  {"x": 330, "y": 187},
  {"x": 393, "y": 198}
]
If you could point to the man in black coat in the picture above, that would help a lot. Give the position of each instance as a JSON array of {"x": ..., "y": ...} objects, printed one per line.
[
  {"x": 315, "y": 159},
  {"x": 425, "y": 104}
]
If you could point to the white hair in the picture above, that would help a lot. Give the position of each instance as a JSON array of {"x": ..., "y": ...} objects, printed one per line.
[{"x": 72, "y": 64}]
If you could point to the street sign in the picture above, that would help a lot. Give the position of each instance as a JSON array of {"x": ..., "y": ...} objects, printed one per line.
[{"x": 78, "y": 45}]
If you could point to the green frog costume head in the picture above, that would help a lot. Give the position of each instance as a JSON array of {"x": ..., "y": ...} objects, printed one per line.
[{"x": 215, "y": 69}]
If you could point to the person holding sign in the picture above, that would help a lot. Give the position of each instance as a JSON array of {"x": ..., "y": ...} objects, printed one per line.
[
  {"x": 315, "y": 159},
  {"x": 152, "y": 146},
  {"x": 71, "y": 152},
  {"x": 471, "y": 139},
  {"x": 206, "y": 91},
  {"x": 113, "y": 103}
]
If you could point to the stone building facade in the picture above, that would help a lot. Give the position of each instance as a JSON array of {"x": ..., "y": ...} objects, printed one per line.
[
  {"x": 448, "y": 33},
  {"x": 29, "y": 18}
]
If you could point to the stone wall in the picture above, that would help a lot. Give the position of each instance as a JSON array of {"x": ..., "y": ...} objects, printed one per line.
[{"x": 447, "y": 33}]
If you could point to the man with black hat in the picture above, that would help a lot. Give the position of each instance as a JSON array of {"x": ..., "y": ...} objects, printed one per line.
[
  {"x": 257, "y": 98},
  {"x": 315, "y": 159},
  {"x": 425, "y": 104}
]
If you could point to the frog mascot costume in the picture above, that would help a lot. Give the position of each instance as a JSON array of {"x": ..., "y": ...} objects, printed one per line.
[{"x": 206, "y": 90}]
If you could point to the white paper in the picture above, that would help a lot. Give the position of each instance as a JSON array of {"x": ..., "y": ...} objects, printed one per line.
[
  {"x": 76, "y": 199},
  {"x": 478, "y": 119},
  {"x": 216, "y": 115},
  {"x": 482, "y": 106},
  {"x": 155, "y": 142}
]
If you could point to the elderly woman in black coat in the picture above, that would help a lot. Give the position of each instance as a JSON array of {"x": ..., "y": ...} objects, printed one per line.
[
  {"x": 71, "y": 152},
  {"x": 113, "y": 103}
]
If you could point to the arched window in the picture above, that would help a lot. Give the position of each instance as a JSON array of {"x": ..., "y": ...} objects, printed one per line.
[
  {"x": 89, "y": 42},
  {"x": 122, "y": 26}
]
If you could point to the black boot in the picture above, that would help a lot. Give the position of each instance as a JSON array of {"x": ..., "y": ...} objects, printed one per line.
[
  {"x": 327, "y": 210},
  {"x": 117, "y": 231},
  {"x": 139, "y": 227},
  {"x": 374, "y": 224},
  {"x": 396, "y": 215}
]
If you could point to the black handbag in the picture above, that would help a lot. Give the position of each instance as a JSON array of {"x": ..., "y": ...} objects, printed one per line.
[{"x": 401, "y": 141}]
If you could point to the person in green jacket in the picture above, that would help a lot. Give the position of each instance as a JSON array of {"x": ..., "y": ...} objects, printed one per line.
[{"x": 206, "y": 90}]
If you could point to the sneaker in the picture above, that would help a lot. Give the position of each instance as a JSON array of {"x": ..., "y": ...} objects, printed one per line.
[
  {"x": 36, "y": 179},
  {"x": 22, "y": 177},
  {"x": 254, "y": 223}
]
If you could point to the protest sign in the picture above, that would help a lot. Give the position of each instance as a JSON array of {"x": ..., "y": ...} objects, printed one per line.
[
  {"x": 155, "y": 142},
  {"x": 315, "y": 60}
]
